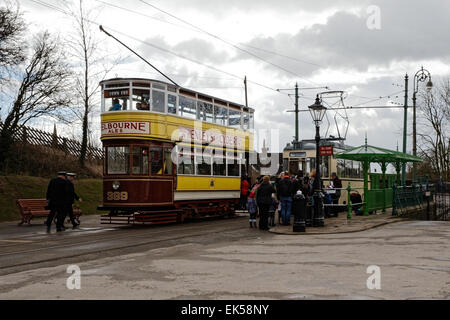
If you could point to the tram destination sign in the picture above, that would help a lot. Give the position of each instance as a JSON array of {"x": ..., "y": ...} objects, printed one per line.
[
  {"x": 326, "y": 150},
  {"x": 125, "y": 127},
  {"x": 117, "y": 93}
]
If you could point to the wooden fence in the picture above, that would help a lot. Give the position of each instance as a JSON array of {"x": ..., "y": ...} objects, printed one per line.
[{"x": 41, "y": 138}]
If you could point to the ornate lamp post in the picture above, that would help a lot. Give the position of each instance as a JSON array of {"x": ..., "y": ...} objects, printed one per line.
[
  {"x": 317, "y": 111},
  {"x": 421, "y": 76}
]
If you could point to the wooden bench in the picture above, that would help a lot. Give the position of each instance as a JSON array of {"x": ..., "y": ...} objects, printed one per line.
[{"x": 30, "y": 208}]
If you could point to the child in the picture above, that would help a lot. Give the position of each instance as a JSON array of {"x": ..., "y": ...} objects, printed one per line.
[
  {"x": 252, "y": 207},
  {"x": 272, "y": 209}
]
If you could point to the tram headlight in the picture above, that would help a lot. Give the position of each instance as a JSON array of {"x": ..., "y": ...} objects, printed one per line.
[{"x": 116, "y": 185}]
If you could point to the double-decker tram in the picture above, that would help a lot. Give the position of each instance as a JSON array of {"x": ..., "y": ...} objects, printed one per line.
[{"x": 170, "y": 153}]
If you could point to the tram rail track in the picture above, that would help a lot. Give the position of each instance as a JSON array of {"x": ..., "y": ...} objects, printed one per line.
[{"x": 192, "y": 232}]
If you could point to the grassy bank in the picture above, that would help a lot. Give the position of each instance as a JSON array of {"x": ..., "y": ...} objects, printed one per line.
[{"x": 21, "y": 187}]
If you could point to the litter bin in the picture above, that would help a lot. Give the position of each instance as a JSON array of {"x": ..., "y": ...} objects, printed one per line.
[{"x": 299, "y": 210}]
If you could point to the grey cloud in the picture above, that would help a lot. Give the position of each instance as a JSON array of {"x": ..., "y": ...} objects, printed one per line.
[{"x": 409, "y": 31}]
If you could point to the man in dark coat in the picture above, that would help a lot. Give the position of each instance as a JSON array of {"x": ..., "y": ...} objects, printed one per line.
[
  {"x": 264, "y": 200},
  {"x": 56, "y": 196},
  {"x": 71, "y": 196},
  {"x": 337, "y": 184}
]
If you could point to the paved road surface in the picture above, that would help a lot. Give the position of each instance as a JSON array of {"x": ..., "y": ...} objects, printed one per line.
[{"x": 224, "y": 259}]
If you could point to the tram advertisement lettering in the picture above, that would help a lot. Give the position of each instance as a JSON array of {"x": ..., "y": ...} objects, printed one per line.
[
  {"x": 213, "y": 137},
  {"x": 140, "y": 127}
]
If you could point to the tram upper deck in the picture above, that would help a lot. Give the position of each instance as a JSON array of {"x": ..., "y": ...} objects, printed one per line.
[{"x": 135, "y": 108}]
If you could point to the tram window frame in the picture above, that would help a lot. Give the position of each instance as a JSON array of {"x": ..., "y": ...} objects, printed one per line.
[
  {"x": 183, "y": 102},
  {"x": 167, "y": 156},
  {"x": 245, "y": 118},
  {"x": 126, "y": 163},
  {"x": 143, "y": 169},
  {"x": 223, "y": 121},
  {"x": 233, "y": 160},
  {"x": 202, "y": 165},
  {"x": 251, "y": 120},
  {"x": 324, "y": 165},
  {"x": 161, "y": 161},
  {"x": 233, "y": 122},
  {"x": 140, "y": 99},
  {"x": 181, "y": 167},
  {"x": 108, "y": 104},
  {"x": 173, "y": 106},
  {"x": 208, "y": 116},
  {"x": 219, "y": 166},
  {"x": 157, "y": 105}
]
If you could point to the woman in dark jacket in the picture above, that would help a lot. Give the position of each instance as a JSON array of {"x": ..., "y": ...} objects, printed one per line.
[{"x": 264, "y": 200}]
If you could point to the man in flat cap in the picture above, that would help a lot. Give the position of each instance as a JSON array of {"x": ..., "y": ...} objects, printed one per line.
[
  {"x": 71, "y": 196},
  {"x": 56, "y": 195}
]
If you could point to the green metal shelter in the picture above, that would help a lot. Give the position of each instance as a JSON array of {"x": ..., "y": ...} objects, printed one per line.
[{"x": 366, "y": 154}]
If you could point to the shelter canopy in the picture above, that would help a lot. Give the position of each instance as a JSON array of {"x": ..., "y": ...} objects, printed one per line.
[{"x": 375, "y": 154}]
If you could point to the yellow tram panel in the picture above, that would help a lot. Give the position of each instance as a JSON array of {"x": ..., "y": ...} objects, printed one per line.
[
  {"x": 213, "y": 183},
  {"x": 161, "y": 127}
]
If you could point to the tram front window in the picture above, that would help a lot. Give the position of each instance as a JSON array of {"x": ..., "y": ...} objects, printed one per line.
[
  {"x": 171, "y": 104},
  {"x": 168, "y": 164},
  {"x": 157, "y": 161},
  {"x": 140, "y": 160},
  {"x": 158, "y": 101},
  {"x": 140, "y": 99},
  {"x": 116, "y": 103},
  {"x": 118, "y": 160}
]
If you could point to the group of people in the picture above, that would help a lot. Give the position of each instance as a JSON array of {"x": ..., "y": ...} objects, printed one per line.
[
  {"x": 264, "y": 199},
  {"x": 60, "y": 196}
]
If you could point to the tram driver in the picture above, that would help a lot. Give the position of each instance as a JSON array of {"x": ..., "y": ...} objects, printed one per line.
[{"x": 116, "y": 105}]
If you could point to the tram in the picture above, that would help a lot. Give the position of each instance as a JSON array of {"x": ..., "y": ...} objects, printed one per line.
[
  {"x": 299, "y": 158},
  {"x": 170, "y": 151}
]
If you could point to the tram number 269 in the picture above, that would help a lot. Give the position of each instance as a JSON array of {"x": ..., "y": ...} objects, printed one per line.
[{"x": 117, "y": 195}]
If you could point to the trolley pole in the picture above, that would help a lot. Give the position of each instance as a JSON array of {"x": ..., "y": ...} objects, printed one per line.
[{"x": 245, "y": 85}]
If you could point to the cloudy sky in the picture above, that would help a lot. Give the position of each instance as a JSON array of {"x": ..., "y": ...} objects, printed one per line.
[{"x": 362, "y": 47}]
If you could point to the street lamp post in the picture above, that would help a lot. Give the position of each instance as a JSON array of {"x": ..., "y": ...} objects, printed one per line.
[
  {"x": 421, "y": 76},
  {"x": 317, "y": 111}
]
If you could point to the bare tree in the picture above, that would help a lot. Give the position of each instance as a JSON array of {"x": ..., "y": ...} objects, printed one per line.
[
  {"x": 92, "y": 66},
  {"x": 434, "y": 144},
  {"x": 12, "y": 46},
  {"x": 41, "y": 90}
]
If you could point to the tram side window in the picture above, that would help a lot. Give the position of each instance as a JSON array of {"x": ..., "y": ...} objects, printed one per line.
[
  {"x": 140, "y": 99},
  {"x": 157, "y": 161},
  {"x": 205, "y": 111},
  {"x": 219, "y": 166},
  {"x": 245, "y": 121},
  {"x": 171, "y": 104},
  {"x": 220, "y": 115},
  {"x": 168, "y": 164},
  {"x": 158, "y": 101},
  {"x": 251, "y": 121},
  {"x": 324, "y": 166},
  {"x": 234, "y": 118},
  {"x": 140, "y": 160},
  {"x": 203, "y": 165},
  {"x": 340, "y": 170},
  {"x": 118, "y": 160},
  {"x": 185, "y": 164},
  {"x": 188, "y": 107},
  {"x": 233, "y": 167}
]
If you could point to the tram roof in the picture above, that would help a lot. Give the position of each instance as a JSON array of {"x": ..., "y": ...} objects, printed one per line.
[{"x": 179, "y": 87}]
